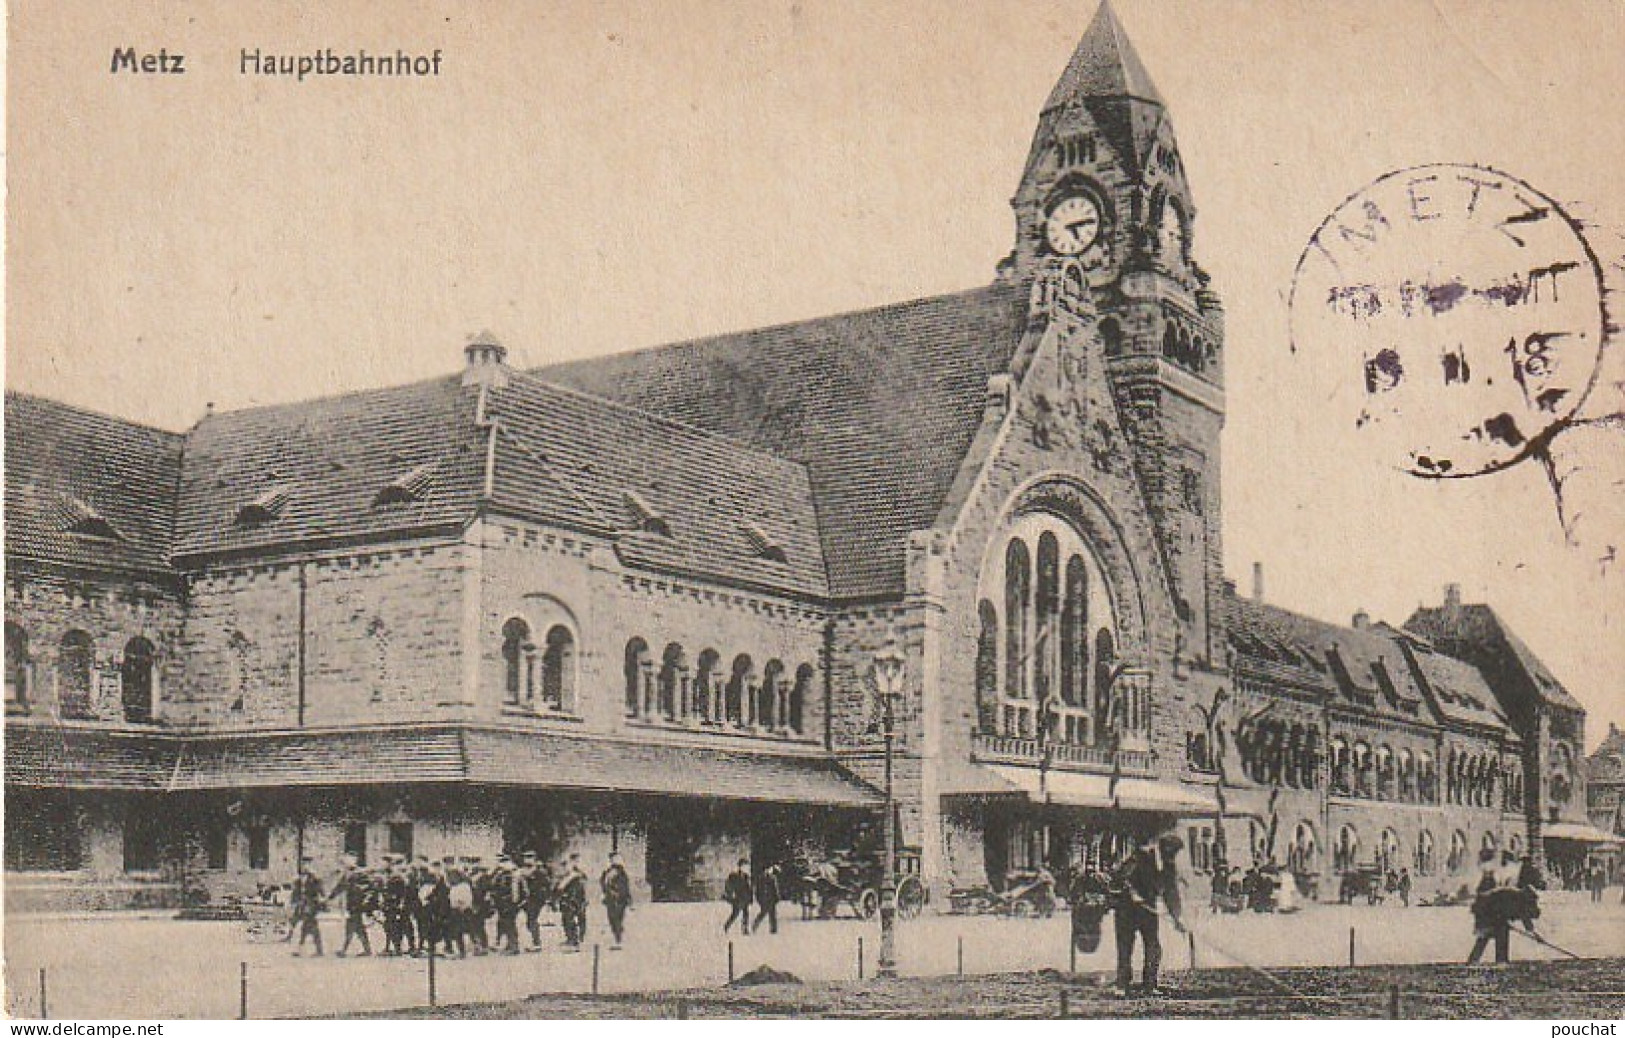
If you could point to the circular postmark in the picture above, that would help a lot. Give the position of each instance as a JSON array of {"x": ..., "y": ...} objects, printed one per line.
[{"x": 1459, "y": 312}]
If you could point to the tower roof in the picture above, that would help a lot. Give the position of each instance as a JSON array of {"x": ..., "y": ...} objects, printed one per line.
[{"x": 1104, "y": 65}]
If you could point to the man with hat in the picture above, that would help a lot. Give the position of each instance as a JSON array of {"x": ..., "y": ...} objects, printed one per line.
[
  {"x": 538, "y": 889},
  {"x": 308, "y": 904},
  {"x": 506, "y": 892},
  {"x": 356, "y": 886},
  {"x": 573, "y": 904},
  {"x": 1148, "y": 875},
  {"x": 617, "y": 890}
]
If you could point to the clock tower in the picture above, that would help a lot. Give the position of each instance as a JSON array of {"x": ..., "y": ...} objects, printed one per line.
[{"x": 1104, "y": 185}]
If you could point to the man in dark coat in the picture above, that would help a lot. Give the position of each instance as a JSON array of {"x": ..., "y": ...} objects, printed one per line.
[
  {"x": 573, "y": 904},
  {"x": 538, "y": 891},
  {"x": 356, "y": 886},
  {"x": 308, "y": 904},
  {"x": 507, "y": 890},
  {"x": 616, "y": 887},
  {"x": 738, "y": 892},
  {"x": 767, "y": 900},
  {"x": 1147, "y": 876}
]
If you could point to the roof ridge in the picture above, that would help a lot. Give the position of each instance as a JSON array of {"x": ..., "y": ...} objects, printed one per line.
[
  {"x": 992, "y": 287},
  {"x": 331, "y": 398}
]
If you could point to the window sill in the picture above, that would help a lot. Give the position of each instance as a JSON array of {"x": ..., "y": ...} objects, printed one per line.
[
  {"x": 699, "y": 727},
  {"x": 510, "y": 710}
]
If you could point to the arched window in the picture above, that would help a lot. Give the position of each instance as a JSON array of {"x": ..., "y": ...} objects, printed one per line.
[
  {"x": 1017, "y": 609},
  {"x": 637, "y": 674},
  {"x": 1301, "y": 855},
  {"x": 517, "y": 652},
  {"x": 17, "y": 666},
  {"x": 1515, "y": 845},
  {"x": 799, "y": 695},
  {"x": 1347, "y": 850},
  {"x": 1362, "y": 769},
  {"x": 1105, "y": 663},
  {"x": 137, "y": 674},
  {"x": 1388, "y": 850},
  {"x": 769, "y": 712},
  {"x": 75, "y": 665},
  {"x": 739, "y": 691},
  {"x": 1457, "y": 859},
  {"x": 1309, "y": 761},
  {"x": 559, "y": 669},
  {"x": 1047, "y": 637},
  {"x": 1407, "y": 774},
  {"x": 1424, "y": 853},
  {"x": 1341, "y": 782},
  {"x": 708, "y": 686},
  {"x": 673, "y": 682},
  {"x": 987, "y": 667},
  {"x": 1427, "y": 778},
  {"x": 1489, "y": 844},
  {"x": 1385, "y": 772},
  {"x": 1075, "y": 635}
]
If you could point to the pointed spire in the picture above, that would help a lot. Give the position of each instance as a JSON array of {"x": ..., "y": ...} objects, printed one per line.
[{"x": 1104, "y": 65}]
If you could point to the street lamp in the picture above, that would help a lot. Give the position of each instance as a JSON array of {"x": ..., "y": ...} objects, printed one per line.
[{"x": 887, "y": 673}]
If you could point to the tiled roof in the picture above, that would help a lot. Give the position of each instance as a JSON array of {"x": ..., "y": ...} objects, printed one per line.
[
  {"x": 880, "y": 406},
  {"x": 79, "y": 758},
  {"x": 1364, "y": 667},
  {"x": 676, "y": 498},
  {"x": 43, "y": 756},
  {"x": 1104, "y": 65},
  {"x": 280, "y": 475},
  {"x": 335, "y": 758},
  {"x": 505, "y": 757},
  {"x": 1467, "y": 628},
  {"x": 1458, "y": 687},
  {"x": 85, "y": 489}
]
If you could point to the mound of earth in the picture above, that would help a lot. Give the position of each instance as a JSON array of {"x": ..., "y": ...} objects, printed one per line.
[{"x": 764, "y": 974}]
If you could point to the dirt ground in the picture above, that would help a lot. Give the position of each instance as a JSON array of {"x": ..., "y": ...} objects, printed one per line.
[{"x": 1570, "y": 990}]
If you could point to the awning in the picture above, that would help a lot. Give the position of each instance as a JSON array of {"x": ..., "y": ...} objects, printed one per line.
[
  {"x": 70, "y": 758},
  {"x": 1578, "y": 833},
  {"x": 1079, "y": 789}
]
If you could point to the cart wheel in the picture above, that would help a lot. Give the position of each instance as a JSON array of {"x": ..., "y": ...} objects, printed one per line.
[
  {"x": 827, "y": 906},
  {"x": 868, "y": 903},
  {"x": 1021, "y": 909},
  {"x": 910, "y": 898}
]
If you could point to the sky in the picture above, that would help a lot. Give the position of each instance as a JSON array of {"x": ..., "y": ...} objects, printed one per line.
[{"x": 585, "y": 178}]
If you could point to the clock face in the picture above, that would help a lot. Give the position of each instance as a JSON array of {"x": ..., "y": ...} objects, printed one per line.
[{"x": 1073, "y": 225}]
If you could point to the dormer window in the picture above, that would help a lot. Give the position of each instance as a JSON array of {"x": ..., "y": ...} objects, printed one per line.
[
  {"x": 265, "y": 508},
  {"x": 409, "y": 488},
  {"x": 78, "y": 518},
  {"x": 644, "y": 517},
  {"x": 764, "y": 546}
]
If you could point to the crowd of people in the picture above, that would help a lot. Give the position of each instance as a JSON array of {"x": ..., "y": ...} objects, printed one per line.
[{"x": 448, "y": 906}]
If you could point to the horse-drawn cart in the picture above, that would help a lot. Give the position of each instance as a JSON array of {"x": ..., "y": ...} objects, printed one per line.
[{"x": 843, "y": 880}]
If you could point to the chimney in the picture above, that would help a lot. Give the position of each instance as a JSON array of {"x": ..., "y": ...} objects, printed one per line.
[
  {"x": 1362, "y": 620},
  {"x": 1258, "y": 582},
  {"x": 1452, "y": 597},
  {"x": 486, "y": 362}
]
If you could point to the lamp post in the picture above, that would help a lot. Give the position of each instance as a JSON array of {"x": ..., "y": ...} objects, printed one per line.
[{"x": 887, "y": 672}]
